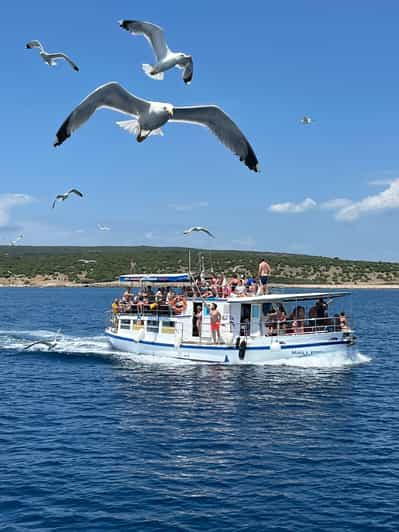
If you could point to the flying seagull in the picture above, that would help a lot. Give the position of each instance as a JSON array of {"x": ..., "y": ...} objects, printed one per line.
[
  {"x": 306, "y": 120},
  {"x": 86, "y": 261},
  {"x": 152, "y": 115},
  {"x": 166, "y": 59},
  {"x": 14, "y": 242},
  {"x": 50, "y": 344},
  {"x": 103, "y": 227},
  {"x": 51, "y": 59},
  {"x": 198, "y": 228},
  {"x": 63, "y": 197}
]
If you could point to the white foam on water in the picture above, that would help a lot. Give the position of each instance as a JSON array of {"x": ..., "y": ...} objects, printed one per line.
[
  {"x": 99, "y": 345},
  {"x": 324, "y": 360}
]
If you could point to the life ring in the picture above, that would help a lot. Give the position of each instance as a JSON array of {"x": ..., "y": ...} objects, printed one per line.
[{"x": 178, "y": 304}]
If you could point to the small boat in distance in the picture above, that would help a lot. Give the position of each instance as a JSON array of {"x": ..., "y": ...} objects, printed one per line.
[{"x": 167, "y": 315}]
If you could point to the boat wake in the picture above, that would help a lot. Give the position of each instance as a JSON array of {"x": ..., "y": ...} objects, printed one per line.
[{"x": 98, "y": 345}]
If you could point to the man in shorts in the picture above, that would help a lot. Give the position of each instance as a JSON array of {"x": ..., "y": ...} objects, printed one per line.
[
  {"x": 264, "y": 271},
  {"x": 216, "y": 318}
]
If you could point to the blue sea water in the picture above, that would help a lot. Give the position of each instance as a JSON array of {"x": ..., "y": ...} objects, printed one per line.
[{"x": 96, "y": 440}]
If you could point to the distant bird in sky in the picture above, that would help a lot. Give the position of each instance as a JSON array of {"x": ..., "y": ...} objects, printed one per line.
[
  {"x": 63, "y": 197},
  {"x": 306, "y": 120},
  {"x": 153, "y": 115},
  {"x": 166, "y": 59},
  {"x": 51, "y": 59},
  {"x": 49, "y": 343},
  {"x": 103, "y": 227},
  {"x": 87, "y": 261},
  {"x": 14, "y": 242},
  {"x": 198, "y": 229}
]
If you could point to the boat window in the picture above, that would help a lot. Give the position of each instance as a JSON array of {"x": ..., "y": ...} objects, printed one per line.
[
  {"x": 125, "y": 324},
  {"x": 152, "y": 326},
  {"x": 168, "y": 327}
]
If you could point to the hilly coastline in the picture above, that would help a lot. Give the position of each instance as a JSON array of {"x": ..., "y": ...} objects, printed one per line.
[{"x": 72, "y": 265}]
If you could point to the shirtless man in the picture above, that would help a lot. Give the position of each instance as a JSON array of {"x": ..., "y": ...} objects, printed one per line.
[
  {"x": 264, "y": 271},
  {"x": 216, "y": 318}
]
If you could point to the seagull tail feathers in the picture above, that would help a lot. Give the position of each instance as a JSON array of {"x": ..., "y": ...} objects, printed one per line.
[
  {"x": 131, "y": 126},
  {"x": 148, "y": 70}
]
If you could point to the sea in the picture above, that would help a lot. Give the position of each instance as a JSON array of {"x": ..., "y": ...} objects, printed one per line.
[{"x": 97, "y": 440}]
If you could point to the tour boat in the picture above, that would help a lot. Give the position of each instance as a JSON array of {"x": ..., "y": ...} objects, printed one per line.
[{"x": 254, "y": 329}]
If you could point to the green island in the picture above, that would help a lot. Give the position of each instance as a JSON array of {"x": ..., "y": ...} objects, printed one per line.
[{"x": 73, "y": 265}]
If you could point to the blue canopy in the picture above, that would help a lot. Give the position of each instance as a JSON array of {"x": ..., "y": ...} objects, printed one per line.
[{"x": 168, "y": 278}]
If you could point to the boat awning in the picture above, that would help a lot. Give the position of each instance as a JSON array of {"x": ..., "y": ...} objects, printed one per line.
[
  {"x": 286, "y": 297},
  {"x": 155, "y": 278}
]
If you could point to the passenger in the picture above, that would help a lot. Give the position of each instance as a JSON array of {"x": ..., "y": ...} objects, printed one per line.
[
  {"x": 127, "y": 295},
  {"x": 264, "y": 270},
  {"x": 240, "y": 288},
  {"x": 313, "y": 317},
  {"x": 198, "y": 319},
  {"x": 343, "y": 322},
  {"x": 281, "y": 317},
  {"x": 233, "y": 283},
  {"x": 226, "y": 291},
  {"x": 158, "y": 296},
  {"x": 321, "y": 310},
  {"x": 115, "y": 306},
  {"x": 216, "y": 318},
  {"x": 271, "y": 321}
]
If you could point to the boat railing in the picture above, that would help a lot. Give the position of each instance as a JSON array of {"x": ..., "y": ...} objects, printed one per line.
[{"x": 275, "y": 327}]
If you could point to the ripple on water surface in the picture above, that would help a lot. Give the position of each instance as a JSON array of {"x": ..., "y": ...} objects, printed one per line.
[{"x": 96, "y": 440}]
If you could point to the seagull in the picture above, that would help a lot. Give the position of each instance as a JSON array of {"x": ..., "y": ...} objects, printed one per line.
[
  {"x": 63, "y": 197},
  {"x": 153, "y": 115},
  {"x": 51, "y": 59},
  {"x": 166, "y": 59},
  {"x": 306, "y": 120},
  {"x": 86, "y": 261},
  {"x": 198, "y": 228},
  {"x": 103, "y": 227},
  {"x": 49, "y": 344},
  {"x": 14, "y": 242}
]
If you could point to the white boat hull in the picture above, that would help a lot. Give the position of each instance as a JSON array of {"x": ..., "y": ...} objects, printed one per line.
[{"x": 297, "y": 347}]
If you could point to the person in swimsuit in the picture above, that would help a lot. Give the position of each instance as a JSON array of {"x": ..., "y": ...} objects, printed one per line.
[
  {"x": 198, "y": 320},
  {"x": 216, "y": 318},
  {"x": 264, "y": 270}
]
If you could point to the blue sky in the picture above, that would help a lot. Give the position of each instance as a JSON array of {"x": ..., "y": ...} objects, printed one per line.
[{"x": 267, "y": 64}]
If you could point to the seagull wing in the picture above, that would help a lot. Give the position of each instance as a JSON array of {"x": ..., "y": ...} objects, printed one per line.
[
  {"x": 222, "y": 126},
  {"x": 75, "y": 191},
  {"x": 35, "y": 44},
  {"x": 67, "y": 59},
  {"x": 154, "y": 35},
  {"x": 188, "y": 70},
  {"x": 188, "y": 231},
  {"x": 48, "y": 344},
  {"x": 111, "y": 96},
  {"x": 205, "y": 230}
]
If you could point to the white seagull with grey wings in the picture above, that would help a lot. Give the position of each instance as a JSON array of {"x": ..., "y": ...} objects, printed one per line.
[
  {"x": 151, "y": 116},
  {"x": 63, "y": 197},
  {"x": 198, "y": 229},
  {"x": 51, "y": 59},
  {"x": 166, "y": 59}
]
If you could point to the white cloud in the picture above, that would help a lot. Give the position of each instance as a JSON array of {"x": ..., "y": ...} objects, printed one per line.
[
  {"x": 387, "y": 199},
  {"x": 335, "y": 204},
  {"x": 293, "y": 208},
  {"x": 8, "y": 202},
  {"x": 381, "y": 182},
  {"x": 188, "y": 206}
]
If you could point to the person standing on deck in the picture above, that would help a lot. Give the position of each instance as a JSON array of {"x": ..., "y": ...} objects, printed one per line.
[
  {"x": 216, "y": 318},
  {"x": 264, "y": 271}
]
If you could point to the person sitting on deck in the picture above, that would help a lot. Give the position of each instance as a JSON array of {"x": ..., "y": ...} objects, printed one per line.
[
  {"x": 343, "y": 322},
  {"x": 234, "y": 281},
  {"x": 281, "y": 317}
]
